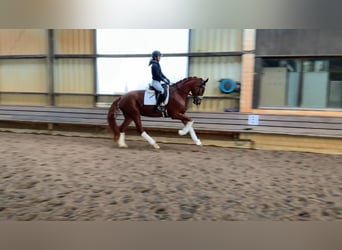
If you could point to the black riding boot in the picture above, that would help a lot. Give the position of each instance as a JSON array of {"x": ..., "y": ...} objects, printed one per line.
[{"x": 159, "y": 98}]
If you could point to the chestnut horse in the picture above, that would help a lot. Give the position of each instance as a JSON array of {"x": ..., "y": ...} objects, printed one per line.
[{"x": 132, "y": 107}]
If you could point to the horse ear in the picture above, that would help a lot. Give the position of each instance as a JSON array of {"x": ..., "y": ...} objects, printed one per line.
[{"x": 204, "y": 82}]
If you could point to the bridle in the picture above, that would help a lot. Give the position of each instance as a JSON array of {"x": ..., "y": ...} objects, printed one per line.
[{"x": 197, "y": 98}]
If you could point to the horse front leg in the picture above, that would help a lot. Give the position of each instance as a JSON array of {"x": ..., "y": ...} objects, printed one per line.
[
  {"x": 188, "y": 127},
  {"x": 186, "y": 121},
  {"x": 194, "y": 137}
]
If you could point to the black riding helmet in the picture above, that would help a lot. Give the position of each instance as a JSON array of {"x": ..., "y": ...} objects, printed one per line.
[{"x": 155, "y": 54}]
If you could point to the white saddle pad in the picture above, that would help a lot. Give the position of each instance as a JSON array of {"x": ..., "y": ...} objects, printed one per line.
[{"x": 150, "y": 97}]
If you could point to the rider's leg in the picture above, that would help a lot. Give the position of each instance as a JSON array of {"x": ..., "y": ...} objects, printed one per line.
[
  {"x": 160, "y": 98},
  {"x": 157, "y": 85},
  {"x": 159, "y": 94}
]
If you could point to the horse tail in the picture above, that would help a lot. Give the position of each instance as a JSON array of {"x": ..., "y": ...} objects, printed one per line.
[{"x": 111, "y": 118}]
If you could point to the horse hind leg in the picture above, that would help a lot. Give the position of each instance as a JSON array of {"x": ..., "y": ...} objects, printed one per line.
[
  {"x": 149, "y": 139},
  {"x": 121, "y": 141},
  {"x": 124, "y": 125}
]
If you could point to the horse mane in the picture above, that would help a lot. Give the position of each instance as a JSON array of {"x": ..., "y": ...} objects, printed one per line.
[{"x": 185, "y": 79}]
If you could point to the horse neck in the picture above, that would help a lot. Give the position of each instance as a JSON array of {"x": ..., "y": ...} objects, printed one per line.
[{"x": 186, "y": 85}]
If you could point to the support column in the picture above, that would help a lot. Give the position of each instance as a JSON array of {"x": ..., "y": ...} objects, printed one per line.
[
  {"x": 247, "y": 78},
  {"x": 50, "y": 61}
]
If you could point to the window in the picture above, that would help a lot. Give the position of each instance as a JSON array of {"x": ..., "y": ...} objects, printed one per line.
[
  {"x": 123, "y": 57},
  {"x": 298, "y": 68},
  {"x": 301, "y": 83}
]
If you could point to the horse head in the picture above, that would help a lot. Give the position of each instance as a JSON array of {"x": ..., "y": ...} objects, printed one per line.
[
  {"x": 198, "y": 89},
  {"x": 193, "y": 86}
]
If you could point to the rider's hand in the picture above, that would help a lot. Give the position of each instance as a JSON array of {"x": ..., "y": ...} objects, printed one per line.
[{"x": 167, "y": 81}]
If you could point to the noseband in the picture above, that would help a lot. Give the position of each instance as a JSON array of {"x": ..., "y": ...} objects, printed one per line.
[{"x": 198, "y": 98}]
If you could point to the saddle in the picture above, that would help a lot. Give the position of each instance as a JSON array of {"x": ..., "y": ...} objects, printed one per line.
[{"x": 151, "y": 95}]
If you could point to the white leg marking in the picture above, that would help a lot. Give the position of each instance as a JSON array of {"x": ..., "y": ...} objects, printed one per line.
[
  {"x": 186, "y": 128},
  {"x": 121, "y": 142},
  {"x": 194, "y": 137},
  {"x": 150, "y": 140}
]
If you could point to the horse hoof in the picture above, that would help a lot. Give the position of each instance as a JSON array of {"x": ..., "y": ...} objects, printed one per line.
[
  {"x": 123, "y": 146},
  {"x": 156, "y": 146},
  {"x": 199, "y": 143}
]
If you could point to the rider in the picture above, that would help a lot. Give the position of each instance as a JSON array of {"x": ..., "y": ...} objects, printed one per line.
[{"x": 157, "y": 78}]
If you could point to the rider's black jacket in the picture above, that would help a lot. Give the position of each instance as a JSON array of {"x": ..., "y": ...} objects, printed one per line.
[{"x": 157, "y": 74}]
